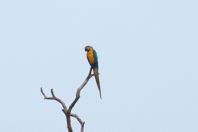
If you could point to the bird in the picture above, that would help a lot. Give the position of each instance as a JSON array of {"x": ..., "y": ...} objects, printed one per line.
[{"x": 93, "y": 61}]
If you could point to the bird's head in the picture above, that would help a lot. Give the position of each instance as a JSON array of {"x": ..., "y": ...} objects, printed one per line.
[{"x": 87, "y": 48}]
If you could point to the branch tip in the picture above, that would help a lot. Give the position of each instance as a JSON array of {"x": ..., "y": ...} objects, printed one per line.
[{"x": 52, "y": 92}]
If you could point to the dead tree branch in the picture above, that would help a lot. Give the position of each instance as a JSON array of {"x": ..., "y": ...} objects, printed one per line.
[{"x": 67, "y": 111}]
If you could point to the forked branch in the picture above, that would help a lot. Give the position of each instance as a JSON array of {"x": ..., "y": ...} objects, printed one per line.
[{"x": 67, "y": 111}]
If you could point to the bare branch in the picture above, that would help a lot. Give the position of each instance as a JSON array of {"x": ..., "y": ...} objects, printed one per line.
[
  {"x": 54, "y": 98},
  {"x": 79, "y": 120},
  {"x": 66, "y": 111},
  {"x": 79, "y": 90}
]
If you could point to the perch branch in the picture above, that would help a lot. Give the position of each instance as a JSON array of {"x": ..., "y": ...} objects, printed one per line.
[{"x": 79, "y": 90}]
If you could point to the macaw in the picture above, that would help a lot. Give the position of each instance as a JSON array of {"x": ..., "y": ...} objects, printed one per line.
[{"x": 93, "y": 61}]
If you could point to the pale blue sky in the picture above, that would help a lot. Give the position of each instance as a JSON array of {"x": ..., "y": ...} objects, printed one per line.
[{"x": 148, "y": 52}]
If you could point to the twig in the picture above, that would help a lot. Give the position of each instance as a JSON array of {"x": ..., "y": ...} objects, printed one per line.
[{"x": 66, "y": 111}]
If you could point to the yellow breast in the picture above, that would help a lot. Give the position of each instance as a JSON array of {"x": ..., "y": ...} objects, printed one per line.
[{"x": 90, "y": 55}]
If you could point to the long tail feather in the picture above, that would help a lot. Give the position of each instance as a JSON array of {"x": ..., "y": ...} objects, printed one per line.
[{"x": 97, "y": 80}]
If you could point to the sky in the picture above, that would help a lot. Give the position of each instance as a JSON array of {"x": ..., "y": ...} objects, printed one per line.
[{"x": 148, "y": 66}]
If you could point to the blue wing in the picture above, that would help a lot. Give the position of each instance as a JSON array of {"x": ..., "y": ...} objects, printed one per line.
[{"x": 96, "y": 59}]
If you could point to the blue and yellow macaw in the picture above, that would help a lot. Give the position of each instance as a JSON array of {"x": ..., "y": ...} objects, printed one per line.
[{"x": 93, "y": 61}]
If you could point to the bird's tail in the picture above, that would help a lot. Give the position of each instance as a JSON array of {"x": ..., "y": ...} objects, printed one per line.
[{"x": 96, "y": 74}]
